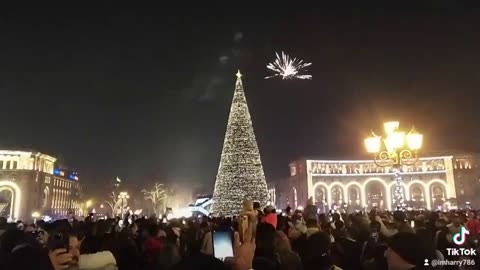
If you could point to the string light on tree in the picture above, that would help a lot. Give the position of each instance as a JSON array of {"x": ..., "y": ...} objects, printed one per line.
[{"x": 240, "y": 173}]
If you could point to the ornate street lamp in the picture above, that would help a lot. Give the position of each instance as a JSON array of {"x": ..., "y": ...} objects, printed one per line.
[{"x": 397, "y": 149}]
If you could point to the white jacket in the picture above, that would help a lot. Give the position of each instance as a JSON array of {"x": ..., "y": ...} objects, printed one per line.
[{"x": 103, "y": 260}]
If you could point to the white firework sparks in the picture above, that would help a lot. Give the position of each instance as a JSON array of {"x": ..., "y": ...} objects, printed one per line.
[{"x": 288, "y": 68}]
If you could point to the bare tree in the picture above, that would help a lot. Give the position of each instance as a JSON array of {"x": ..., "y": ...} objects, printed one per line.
[
  {"x": 157, "y": 195},
  {"x": 112, "y": 202}
]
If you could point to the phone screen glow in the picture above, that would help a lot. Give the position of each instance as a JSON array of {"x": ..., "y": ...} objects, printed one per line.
[{"x": 222, "y": 244}]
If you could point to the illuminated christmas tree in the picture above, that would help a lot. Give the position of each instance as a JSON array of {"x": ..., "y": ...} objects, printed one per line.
[{"x": 240, "y": 174}]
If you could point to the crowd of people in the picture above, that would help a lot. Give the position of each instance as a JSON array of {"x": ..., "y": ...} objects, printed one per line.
[{"x": 292, "y": 240}]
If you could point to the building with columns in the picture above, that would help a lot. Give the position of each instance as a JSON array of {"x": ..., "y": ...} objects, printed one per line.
[
  {"x": 29, "y": 182},
  {"x": 436, "y": 182}
]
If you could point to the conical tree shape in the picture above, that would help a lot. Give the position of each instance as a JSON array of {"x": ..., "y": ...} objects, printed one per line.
[{"x": 240, "y": 173}]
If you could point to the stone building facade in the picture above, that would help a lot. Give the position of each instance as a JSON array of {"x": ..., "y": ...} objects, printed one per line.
[
  {"x": 436, "y": 182},
  {"x": 30, "y": 183}
]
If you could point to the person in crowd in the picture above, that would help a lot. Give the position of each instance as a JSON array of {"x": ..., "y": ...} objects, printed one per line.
[
  {"x": 288, "y": 259},
  {"x": 153, "y": 244},
  {"x": 270, "y": 216},
  {"x": 288, "y": 211},
  {"x": 18, "y": 245},
  {"x": 401, "y": 256},
  {"x": 127, "y": 254},
  {"x": 306, "y": 240},
  {"x": 170, "y": 253},
  {"x": 473, "y": 224},
  {"x": 311, "y": 210},
  {"x": 400, "y": 224},
  {"x": 346, "y": 250},
  {"x": 265, "y": 256},
  {"x": 454, "y": 227},
  {"x": 3, "y": 225},
  {"x": 256, "y": 208},
  {"x": 43, "y": 233},
  {"x": 317, "y": 253},
  {"x": 312, "y": 227}
]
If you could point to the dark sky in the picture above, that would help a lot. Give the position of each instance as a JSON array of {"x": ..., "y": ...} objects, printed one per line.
[{"x": 145, "y": 94}]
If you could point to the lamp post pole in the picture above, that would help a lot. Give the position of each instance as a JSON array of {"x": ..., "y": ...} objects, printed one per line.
[{"x": 397, "y": 150}]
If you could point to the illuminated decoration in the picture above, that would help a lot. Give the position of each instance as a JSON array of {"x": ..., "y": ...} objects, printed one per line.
[
  {"x": 73, "y": 176},
  {"x": 118, "y": 180},
  {"x": 295, "y": 198},
  {"x": 202, "y": 206},
  {"x": 123, "y": 200},
  {"x": 15, "y": 199},
  {"x": 35, "y": 214},
  {"x": 353, "y": 178},
  {"x": 400, "y": 150},
  {"x": 240, "y": 173},
  {"x": 158, "y": 196},
  {"x": 271, "y": 196},
  {"x": 58, "y": 172},
  {"x": 180, "y": 213},
  {"x": 288, "y": 68}
]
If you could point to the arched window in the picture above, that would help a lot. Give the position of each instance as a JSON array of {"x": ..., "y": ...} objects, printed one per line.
[{"x": 46, "y": 192}]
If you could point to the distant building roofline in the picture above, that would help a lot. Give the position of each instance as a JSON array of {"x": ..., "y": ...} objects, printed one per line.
[
  {"x": 30, "y": 153},
  {"x": 429, "y": 154}
]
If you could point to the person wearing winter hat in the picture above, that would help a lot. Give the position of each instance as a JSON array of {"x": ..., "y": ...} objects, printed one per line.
[{"x": 406, "y": 251}]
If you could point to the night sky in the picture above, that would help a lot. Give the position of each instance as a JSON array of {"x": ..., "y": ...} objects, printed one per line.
[{"x": 145, "y": 94}]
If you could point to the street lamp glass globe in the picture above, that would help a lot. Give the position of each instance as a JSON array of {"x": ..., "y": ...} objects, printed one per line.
[
  {"x": 373, "y": 144},
  {"x": 395, "y": 140},
  {"x": 391, "y": 126},
  {"x": 414, "y": 140}
]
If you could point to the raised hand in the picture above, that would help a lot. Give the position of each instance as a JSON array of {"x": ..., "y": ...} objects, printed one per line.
[{"x": 60, "y": 258}]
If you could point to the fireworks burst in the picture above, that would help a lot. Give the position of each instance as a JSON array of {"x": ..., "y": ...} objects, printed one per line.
[{"x": 288, "y": 68}]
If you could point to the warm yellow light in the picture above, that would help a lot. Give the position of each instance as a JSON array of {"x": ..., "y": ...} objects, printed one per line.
[
  {"x": 88, "y": 203},
  {"x": 414, "y": 140},
  {"x": 395, "y": 140},
  {"x": 373, "y": 144},
  {"x": 35, "y": 215},
  {"x": 391, "y": 126}
]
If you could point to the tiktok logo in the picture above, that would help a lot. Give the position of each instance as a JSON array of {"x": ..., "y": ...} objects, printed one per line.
[{"x": 460, "y": 238}]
